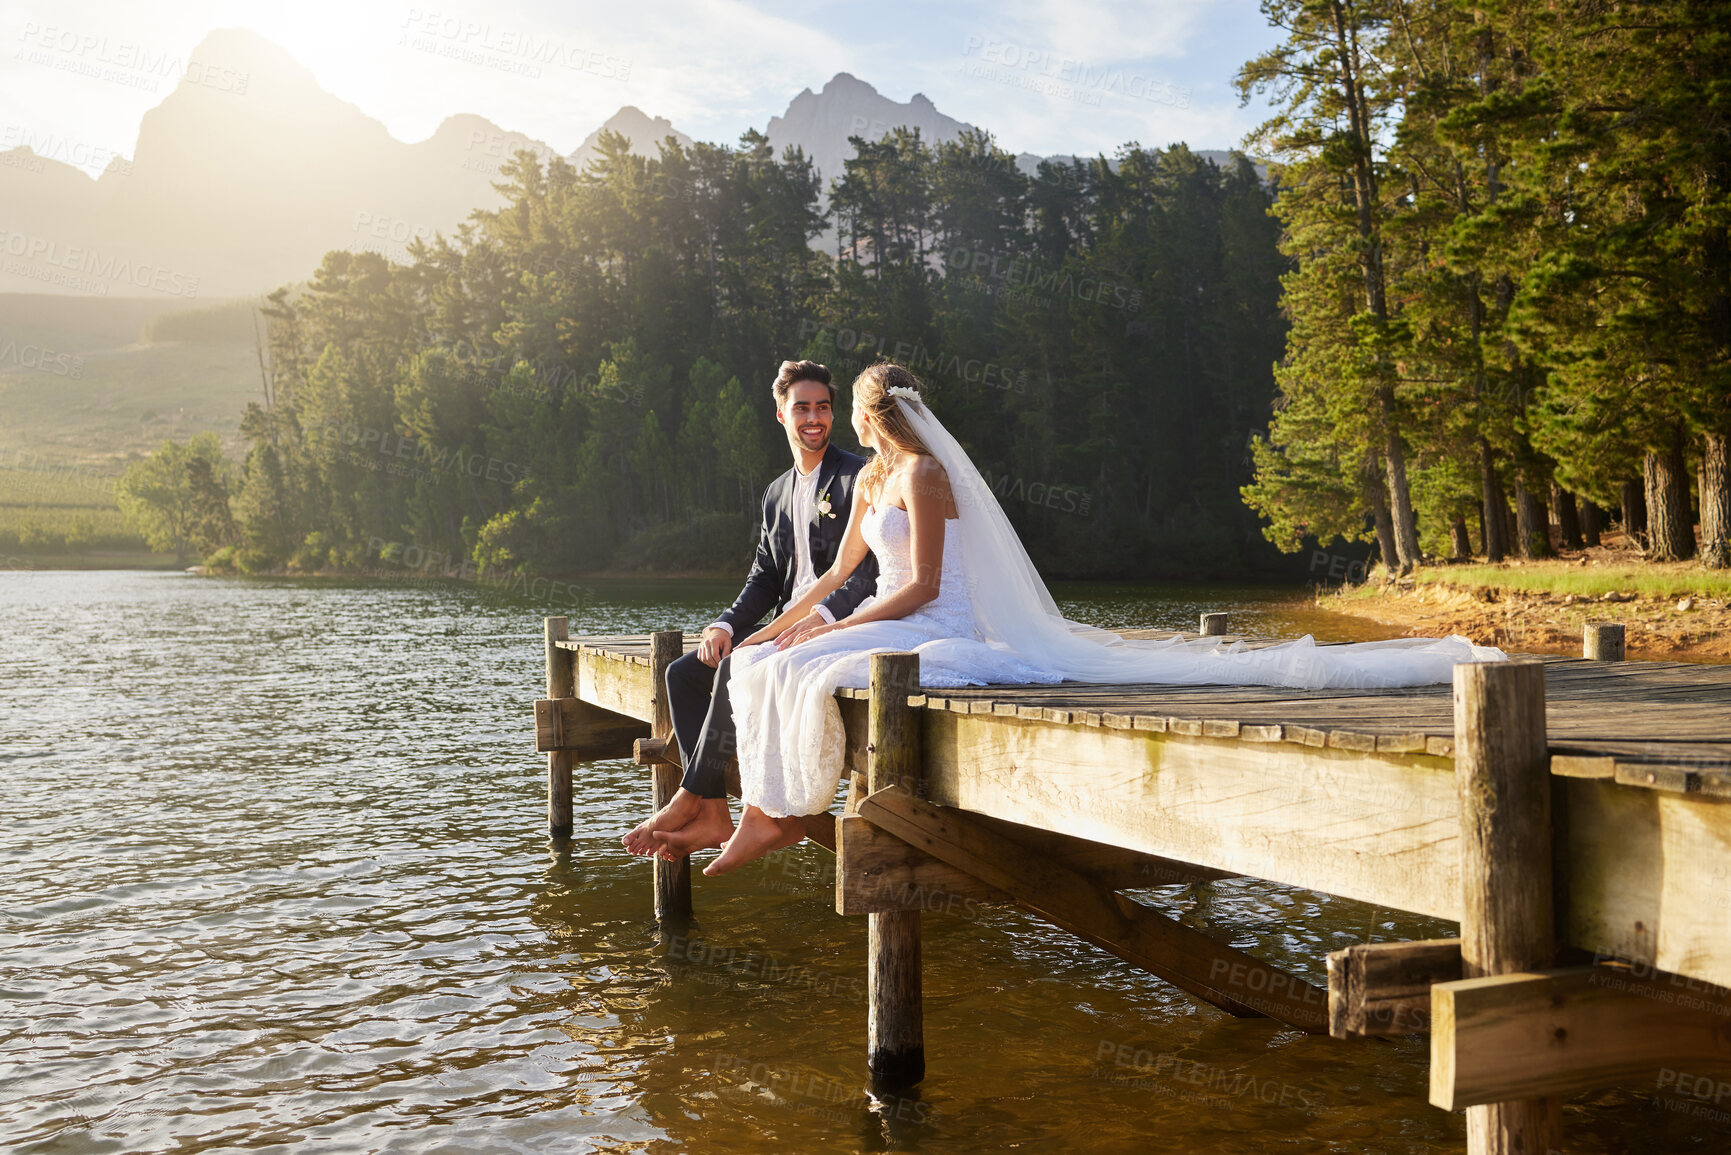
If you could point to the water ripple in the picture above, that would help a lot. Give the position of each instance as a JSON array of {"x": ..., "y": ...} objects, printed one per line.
[{"x": 274, "y": 880}]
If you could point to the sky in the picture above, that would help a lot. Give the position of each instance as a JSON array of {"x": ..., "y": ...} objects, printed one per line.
[{"x": 1044, "y": 76}]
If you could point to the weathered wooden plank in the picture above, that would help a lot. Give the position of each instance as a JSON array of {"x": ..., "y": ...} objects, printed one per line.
[
  {"x": 1230, "y": 979},
  {"x": 1563, "y": 1031},
  {"x": 1676, "y": 779},
  {"x": 1368, "y": 825},
  {"x": 1648, "y": 875},
  {"x": 611, "y": 684},
  {"x": 585, "y": 732},
  {"x": 1381, "y": 989},
  {"x": 1582, "y": 766}
]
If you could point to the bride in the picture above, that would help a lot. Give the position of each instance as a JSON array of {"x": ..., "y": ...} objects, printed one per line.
[{"x": 956, "y": 587}]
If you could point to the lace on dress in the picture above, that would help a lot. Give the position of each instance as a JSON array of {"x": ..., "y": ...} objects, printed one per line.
[{"x": 792, "y": 744}]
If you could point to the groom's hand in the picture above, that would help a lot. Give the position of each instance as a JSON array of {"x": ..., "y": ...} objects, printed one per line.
[
  {"x": 717, "y": 643},
  {"x": 801, "y": 630}
]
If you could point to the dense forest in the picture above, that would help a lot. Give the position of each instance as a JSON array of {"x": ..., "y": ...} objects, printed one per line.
[
  {"x": 581, "y": 380},
  {"x": 1511, "y": 309},
  {"x": 1481, "y": 305}
]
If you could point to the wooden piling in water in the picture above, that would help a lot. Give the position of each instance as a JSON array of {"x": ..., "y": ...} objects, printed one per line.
[
  {"x": 1602, "y": 641},
  {"x": 672, "y": 879},
  {"x": 1213, "y": 625},
  {"x": 561, "y": 683},
  {"x": 1502, "y": 770},
  {"x": 896, "y": 1047}
]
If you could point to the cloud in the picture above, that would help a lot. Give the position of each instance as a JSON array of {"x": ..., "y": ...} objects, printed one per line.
[{"x": 1104, "y": 31}]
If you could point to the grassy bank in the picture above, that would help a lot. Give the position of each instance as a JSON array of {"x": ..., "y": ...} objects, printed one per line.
[
  {"x": 1593, "y": 580},
  {"x": 64, "y": 517},
  {"x": 93, "y": 560},
  {"x": 1675, "y": 610}
]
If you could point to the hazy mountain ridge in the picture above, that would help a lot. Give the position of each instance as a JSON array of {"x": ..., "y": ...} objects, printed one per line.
[
  {"x": 238, "y": 187},
  {"x": 820, "y": 123}
]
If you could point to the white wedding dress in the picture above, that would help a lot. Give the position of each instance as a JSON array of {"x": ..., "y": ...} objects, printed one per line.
[
  {"x": 994, "y": 622},
  {"x": 784, "y": 708}
]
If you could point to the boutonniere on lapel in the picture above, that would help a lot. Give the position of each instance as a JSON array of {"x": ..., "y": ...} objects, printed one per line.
[{"x": 823, "y": 504}]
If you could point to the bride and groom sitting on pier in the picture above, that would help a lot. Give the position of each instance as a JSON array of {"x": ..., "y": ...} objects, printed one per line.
[{"x": 909, "y": 551}]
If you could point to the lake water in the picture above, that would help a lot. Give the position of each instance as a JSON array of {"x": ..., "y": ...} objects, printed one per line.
[{"x": 276, "y": 879}]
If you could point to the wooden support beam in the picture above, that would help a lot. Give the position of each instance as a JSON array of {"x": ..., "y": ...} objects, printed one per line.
[
  {"x": 672, "y": 879},
  {"x": 879, "y": 872},
  {"x": 655, "y": 752},
  {"x": 821, "y": 829},
  {"x": 561, "y": 683},
  {"x": 583, "y": 731},
  {"x": 1575, "y": 1029},
  {"x": 1502, "y": 768},
  {"x": 896, "y": 1045},
  {"x": 1112, "y": 867},
  {"x": 1188, "y": 959},
  {"x": 1381, "y": 989}
]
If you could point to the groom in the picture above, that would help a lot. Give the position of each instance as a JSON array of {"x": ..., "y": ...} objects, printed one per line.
[{"x": 799, "y": 540}]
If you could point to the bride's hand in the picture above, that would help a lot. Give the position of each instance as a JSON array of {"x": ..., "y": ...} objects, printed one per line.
[
  {"x": 800, "y": 630},
  {"x": 804, "y": 632}
]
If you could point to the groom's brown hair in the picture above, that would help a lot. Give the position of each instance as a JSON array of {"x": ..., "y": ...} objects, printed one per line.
[{"x": 793, "y": 372}]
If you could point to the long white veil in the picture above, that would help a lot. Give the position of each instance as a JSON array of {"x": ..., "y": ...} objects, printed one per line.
[{"x": 1015, "y": 612}]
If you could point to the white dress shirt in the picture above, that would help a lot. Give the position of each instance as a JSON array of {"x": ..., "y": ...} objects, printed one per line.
[{"x": 804, "y": 506}]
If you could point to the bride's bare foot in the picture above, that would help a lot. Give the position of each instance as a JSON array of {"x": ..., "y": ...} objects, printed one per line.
[
  {"x": 680, "y": 809},
  {"x": 758, "y": 835},
  {"x": 712, "y": 827}
]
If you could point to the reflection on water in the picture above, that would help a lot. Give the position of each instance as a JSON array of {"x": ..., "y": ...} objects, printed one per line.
[{"x": 275, "y": 878}]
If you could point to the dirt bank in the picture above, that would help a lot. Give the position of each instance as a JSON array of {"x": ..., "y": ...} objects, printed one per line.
[{"x": 1680, "y": 612}]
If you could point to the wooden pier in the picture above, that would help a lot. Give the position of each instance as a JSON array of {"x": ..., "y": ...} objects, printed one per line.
[{"x": 1573, "y": 815}]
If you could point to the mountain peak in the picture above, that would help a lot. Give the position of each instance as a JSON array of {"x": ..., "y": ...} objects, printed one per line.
[
  {"x": 843, "y": 83},
  {"x": 229, "y": 60},
  {"x": 847, "y": 107},
  {"x": 645, "y": 133}
]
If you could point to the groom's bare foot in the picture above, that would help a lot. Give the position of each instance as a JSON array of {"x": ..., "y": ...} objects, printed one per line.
[
  {"x": 758, "y": 835},
  {"x": 712, "y": 827},
  {"x": 680, "y": 809}
]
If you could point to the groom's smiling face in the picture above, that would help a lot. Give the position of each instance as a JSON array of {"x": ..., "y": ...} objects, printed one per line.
[{"x": 807, "y": 413}]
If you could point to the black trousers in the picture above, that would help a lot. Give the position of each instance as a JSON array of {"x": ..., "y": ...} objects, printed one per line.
[{"x": 702, "y": 722}]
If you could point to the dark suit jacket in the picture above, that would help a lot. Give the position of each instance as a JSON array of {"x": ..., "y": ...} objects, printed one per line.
[{"x": 770, "y": 584}]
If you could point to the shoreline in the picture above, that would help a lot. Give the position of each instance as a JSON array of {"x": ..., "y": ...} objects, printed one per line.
[{"x": 1682, "y": 614}]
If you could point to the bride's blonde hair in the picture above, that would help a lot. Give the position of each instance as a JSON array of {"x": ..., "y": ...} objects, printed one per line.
[{"x": 872, "y": 397}]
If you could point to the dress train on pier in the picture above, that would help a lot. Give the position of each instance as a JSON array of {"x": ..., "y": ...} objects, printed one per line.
[{"x": 994, "y": 622}]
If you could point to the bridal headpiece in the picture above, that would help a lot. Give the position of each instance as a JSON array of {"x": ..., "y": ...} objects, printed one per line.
[{"x": 907, "y": 391}]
